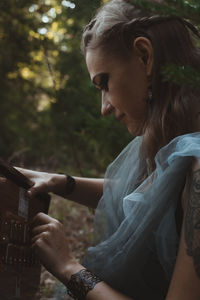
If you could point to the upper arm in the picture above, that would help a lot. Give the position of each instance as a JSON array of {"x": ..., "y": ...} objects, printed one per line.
[{"x": 185, "y": 283}]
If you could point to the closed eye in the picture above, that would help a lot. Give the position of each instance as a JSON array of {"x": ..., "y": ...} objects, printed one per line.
[
  {"x": 101, "y": 81},
  {"x": 104, "y": 82}
]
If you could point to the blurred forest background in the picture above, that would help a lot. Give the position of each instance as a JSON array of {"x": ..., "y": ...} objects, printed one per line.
[{"x": 50, "y": 112}]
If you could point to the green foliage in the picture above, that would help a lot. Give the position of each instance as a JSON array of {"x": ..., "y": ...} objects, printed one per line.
[
  {"x": 189, "y": 10},
  {"x": 182, "y": 75},
  {"x": 50, "y": 113}
]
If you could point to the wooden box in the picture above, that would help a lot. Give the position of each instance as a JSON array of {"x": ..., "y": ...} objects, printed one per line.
[{"x": 19, "y": 266}]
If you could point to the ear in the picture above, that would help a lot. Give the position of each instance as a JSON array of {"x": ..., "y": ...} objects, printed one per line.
[{"x": 143, "y": 49}]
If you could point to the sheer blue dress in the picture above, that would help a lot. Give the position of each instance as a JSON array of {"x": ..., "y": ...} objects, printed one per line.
[{"x": 137, "y": 223}]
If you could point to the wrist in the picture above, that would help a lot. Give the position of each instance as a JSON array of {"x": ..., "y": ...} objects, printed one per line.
[
  {"x": 81, "y": 283},
  {"x": 57, "y": 183},
  {"x": 62, "y": 184},
  {"x": 71, "y": 268},
  {"x": 70, "y": 184}
]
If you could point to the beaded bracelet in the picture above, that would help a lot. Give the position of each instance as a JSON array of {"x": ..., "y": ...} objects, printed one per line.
[
  {"x": 70, "y": 184},
  {"x": 81, "y": 283}
]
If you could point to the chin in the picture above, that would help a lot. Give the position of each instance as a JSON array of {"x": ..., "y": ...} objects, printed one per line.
[{"x": 135, "y": 131}]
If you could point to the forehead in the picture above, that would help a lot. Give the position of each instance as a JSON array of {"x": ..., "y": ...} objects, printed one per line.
[{"x": 97, "y": 62}]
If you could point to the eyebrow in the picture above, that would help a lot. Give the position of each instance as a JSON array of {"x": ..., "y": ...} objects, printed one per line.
[{"x": 98, "y": 75}]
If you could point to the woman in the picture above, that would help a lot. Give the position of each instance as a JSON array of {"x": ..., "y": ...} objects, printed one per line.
[{"x": 147, "y": 239}]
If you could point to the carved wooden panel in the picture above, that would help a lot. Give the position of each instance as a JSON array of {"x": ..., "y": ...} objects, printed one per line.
[{"x": 19, "y": 266}]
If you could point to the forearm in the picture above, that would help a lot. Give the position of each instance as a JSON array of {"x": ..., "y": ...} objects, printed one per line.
[
  {"x": 103, "y": 291},
  {"x": 52, "y": 246},
  {"x": 87, "y": 191}
]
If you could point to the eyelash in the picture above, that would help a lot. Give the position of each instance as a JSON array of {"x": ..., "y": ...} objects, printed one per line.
[{"x": 104, "y": 83}]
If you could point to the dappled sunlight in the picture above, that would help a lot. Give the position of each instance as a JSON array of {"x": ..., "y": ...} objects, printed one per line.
[{"x": 68, "y": 4}]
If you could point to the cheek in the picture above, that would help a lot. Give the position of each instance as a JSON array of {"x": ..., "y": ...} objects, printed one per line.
[
  {"x": 137, "y": 80},
  {"x": 139, "y": 85},
  {"x": 128, "y": 92},
  {"x": 135, "y": 96}
]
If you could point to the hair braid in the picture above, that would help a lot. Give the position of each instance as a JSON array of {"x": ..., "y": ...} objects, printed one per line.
[
  {"x": 147, "y": 21},
  {"x": 114, "y": 29}
]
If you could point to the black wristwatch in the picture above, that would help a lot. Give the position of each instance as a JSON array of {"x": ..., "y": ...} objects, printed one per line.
[{"x": 70, "y": 184}]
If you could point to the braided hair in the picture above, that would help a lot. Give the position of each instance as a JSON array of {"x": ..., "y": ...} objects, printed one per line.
[{"x": 172, "y": 110}]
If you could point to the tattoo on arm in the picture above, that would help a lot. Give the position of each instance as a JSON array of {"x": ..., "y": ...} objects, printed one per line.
[{"x": 192, "y": 221}]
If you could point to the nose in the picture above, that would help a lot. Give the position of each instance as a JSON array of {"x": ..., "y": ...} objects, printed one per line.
[{"x": 106, "y": 106}]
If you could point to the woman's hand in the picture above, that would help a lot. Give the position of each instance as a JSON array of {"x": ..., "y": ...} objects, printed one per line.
[
  {"x": 43, "y": 182},
  {"x": 87, "y": 191},
  {"x": 52, "y": 247}
]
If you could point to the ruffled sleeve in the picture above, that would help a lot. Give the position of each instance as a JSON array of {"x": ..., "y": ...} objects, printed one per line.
[{"x": 132, "y": 220}]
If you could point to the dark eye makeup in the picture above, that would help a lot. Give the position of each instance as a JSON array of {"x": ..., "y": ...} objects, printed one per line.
[{"x": 101, "y": 81}]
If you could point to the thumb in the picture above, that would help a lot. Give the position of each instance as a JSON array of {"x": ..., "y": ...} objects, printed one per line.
[
  {"x": 36, "y": 189},
  {"x": 31, "y": 193}
]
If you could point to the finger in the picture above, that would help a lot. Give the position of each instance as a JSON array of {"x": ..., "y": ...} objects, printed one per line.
[
  {"x": 39, "y": 229},
  {"x": 42, "y": 219},
  {"x": 38, "y": 187},
  {"x": 32, "y": 192},
  {"x": 34, "y": 239},
  {"x": 37, "y": 243},
  {"x": 39, "y": 238},
  {"x": 2, "y": 180}
]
